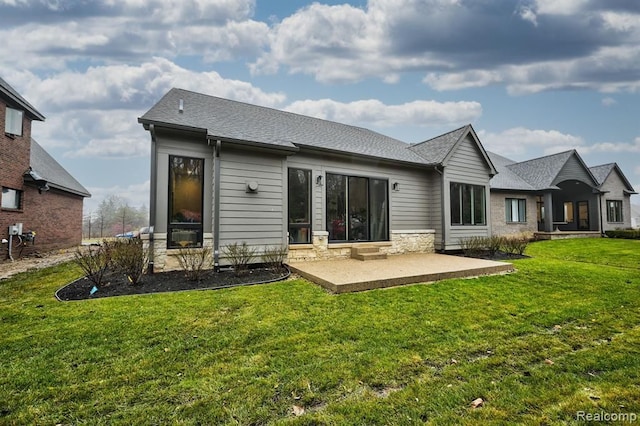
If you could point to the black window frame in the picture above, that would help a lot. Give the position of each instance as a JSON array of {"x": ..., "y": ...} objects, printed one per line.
[
  {"x": 462, "y": 195},
  {"x": 349, "y": 179},
  {"x": 187, "y": 227},
  {"x": 19, "y": 194},
  {"x": 299, "y": 232}
]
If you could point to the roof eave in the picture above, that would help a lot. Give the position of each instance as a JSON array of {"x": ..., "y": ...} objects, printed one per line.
[{"x": 365, "y": 156}]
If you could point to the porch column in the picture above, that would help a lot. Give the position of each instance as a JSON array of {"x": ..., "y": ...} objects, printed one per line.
[{"x": 548, "y": 212}]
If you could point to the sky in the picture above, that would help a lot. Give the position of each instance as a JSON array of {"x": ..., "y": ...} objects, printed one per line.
[{"x": 533, "y": 77}]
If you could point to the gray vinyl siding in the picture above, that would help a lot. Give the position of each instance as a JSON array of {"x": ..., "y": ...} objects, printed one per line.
[
  {"x": 435, "y": 207},
  {"x": 574, "y": 170},
  {"x": 410, "y": 206},
  {"x": 466, "y": 165},
  {"x": 171, "y": 143},
  {"x": 256, "y": 218}
]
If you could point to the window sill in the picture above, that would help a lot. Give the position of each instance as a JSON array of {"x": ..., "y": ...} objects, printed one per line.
[{"x": 7, "y": 209}]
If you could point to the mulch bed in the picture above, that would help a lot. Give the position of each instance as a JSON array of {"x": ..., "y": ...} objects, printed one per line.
[
  {"x": 115, "y": 284},
  {"x": 500, "y": 255}
]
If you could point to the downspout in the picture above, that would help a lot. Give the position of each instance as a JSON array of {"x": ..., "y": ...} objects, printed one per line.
[
  {"x": 216, "y": 206},
  {"x": 152, "y": 197},
  {"x": 442, "y": 207}
]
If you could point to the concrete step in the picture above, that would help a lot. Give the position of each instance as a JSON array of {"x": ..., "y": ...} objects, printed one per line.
[
  {"x": 368, "y": 256},
  {"x": 364, "y": 249}
]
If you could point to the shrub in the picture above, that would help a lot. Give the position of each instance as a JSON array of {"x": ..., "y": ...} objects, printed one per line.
[
  {"x": 192, "y": 261},
  {"x": 515, "y": 244},
  {"x": 93, "y": 262},
  {"x": 473, "y": 246},
  {"x": 494, "y": 244},
  {"x": 129, "y": 257},
  {"x": 629, "y": 234},
  {"x": 240, "y": 256},
  {"x": 274, "y": 256}
]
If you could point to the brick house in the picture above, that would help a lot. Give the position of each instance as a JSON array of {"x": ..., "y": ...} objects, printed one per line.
[{"x": 36, "y": 190}]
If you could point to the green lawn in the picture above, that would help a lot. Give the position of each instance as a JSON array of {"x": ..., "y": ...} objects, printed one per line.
[{"x": 560, "y": 336}]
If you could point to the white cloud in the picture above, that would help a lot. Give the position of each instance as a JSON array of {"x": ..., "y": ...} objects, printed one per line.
[
  {"x": 609, "y": 101},
  {"x": 519, "y": 141},
  {"x": 372, "y": 112},
  {"x": 618, "y": 147}
]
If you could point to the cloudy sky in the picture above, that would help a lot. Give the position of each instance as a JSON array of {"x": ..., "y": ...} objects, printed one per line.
[{"x": 534, "y": 77}]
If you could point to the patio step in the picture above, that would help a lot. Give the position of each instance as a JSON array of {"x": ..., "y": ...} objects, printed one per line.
[{"x": 367, "y": 253}]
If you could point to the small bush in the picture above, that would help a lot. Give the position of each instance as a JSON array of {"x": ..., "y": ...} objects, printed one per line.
[
  {"x": 494, "y": 244},
  {"x": 629, "y": 234},
  {"x": 193, "y": 260},
  {"x": 473, "y": 246},
  {"x": 274, "y": 256},
  {"x": 93, "y": 262},
  {"x": 515, "y": 244},
  {"x": 240, "y": 256},
  {"x": 129, "y": 257}
]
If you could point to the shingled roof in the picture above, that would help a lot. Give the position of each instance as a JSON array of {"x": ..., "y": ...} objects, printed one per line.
[
  {"x": 602, "y": 172},
  {"x": 506, "y": 178},
  {"x": 239, "y": 122},
  {"x": 51, "y": 171},
  {"x": 15, "y": 99}
]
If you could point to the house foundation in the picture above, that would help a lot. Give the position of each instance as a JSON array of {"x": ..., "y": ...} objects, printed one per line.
[{"x": 401, "y": 242}]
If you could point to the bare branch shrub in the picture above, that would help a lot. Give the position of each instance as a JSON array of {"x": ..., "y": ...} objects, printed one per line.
[
  {"x": 473, "y": 246},
  {"x": 274, "y": 256},
  {"x": 240, "y": 256},
  {"x": 193, "y": 260},
  {"x": 93, "y": 262},
  {"x": 129, "y": 257}
]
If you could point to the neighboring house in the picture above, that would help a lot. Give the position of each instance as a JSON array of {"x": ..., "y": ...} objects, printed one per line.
[
  {"x": 581, "y": 199},
  {"x": 36, "y": 191},
  {"x": 224, "y": 171},
  {"x": 635, "y": 216}
]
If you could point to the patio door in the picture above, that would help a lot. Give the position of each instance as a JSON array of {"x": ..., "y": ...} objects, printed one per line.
[{"x": 583, "y": 215}]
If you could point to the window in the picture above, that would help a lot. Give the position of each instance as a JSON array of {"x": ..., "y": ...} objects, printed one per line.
[
  {"x": 468, "y": 204},
  {"x": 299, "y": 194},
  {"x": 357, "y": 208},
  {"x": 13, "y": 122},
  {"x": 186, "y": 191},
  {"x": 614, "y": 211},
  {"x": 540, "y": 208},
  {"x": 568, "y": 212},
  {"x": 516, "y": 210},
  {"x": 11, "y": 198}
]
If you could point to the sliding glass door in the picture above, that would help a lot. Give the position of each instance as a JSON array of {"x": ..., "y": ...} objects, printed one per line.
[{"x": 356, "y": 208}]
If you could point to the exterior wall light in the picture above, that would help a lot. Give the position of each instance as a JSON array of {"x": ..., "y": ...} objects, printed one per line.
[
  {"x": 396, "y": 186},
  {"x": 319, "y": 180}
]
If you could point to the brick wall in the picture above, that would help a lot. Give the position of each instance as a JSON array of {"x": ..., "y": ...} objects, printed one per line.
[
  {"x": 499, "y": 225},
  {"x": 55, "y": 216}
]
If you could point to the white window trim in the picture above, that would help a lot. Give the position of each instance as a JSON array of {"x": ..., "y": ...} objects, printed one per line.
[{"x": 13, "y": 121}]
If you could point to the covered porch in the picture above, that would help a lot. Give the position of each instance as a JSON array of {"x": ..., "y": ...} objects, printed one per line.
[{"x": 571, "y": 207}]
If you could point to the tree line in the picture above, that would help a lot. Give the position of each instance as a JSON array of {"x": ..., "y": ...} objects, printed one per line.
[{"x": 112, "y": 217}]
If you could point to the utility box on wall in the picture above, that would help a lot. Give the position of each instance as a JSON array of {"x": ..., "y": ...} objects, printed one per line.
[{"x": 15, "y": 229}]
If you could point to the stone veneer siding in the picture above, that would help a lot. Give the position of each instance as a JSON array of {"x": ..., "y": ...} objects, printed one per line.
[
  {"x": 402, "y": 241},
  {"x": 165, "y": 259}
]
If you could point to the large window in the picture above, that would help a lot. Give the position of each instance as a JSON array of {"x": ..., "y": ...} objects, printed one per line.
[
  {"x": 13, "y": 122},
  {"x": 516, "y": 210},
  {"x": 468, "y": 204},
  {"x": 357, "y": 208},
  {"x": 299, "y": 205},
  {"x": 614, "y": 211},
  {"x": 186, "y": 191},
  {"x": 11, "y": 198}
]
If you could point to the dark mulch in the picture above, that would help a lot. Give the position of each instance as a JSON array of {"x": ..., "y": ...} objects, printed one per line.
[
  {"x": 500, "y": 255},
  {"x": 116, "y": 284}
]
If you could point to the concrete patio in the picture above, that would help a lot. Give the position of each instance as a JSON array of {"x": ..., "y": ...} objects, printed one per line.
[{"x": 349, "y": 275}]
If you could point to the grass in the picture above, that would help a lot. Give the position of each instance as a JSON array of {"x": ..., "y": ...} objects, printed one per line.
[{"x": 560, "y": 336}]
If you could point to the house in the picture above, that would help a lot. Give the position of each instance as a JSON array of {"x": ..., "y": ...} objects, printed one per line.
[
  {"x": 37, "y": 191},
  {"x": 224, "y": 171},
  {"x": 581, "y": 200}
]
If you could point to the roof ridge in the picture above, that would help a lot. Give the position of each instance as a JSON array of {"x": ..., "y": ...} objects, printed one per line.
[
  {"x": 545, "y": 156},
  {"x": 281, "y": 111},
  {"x": 439, "y": 136}
]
